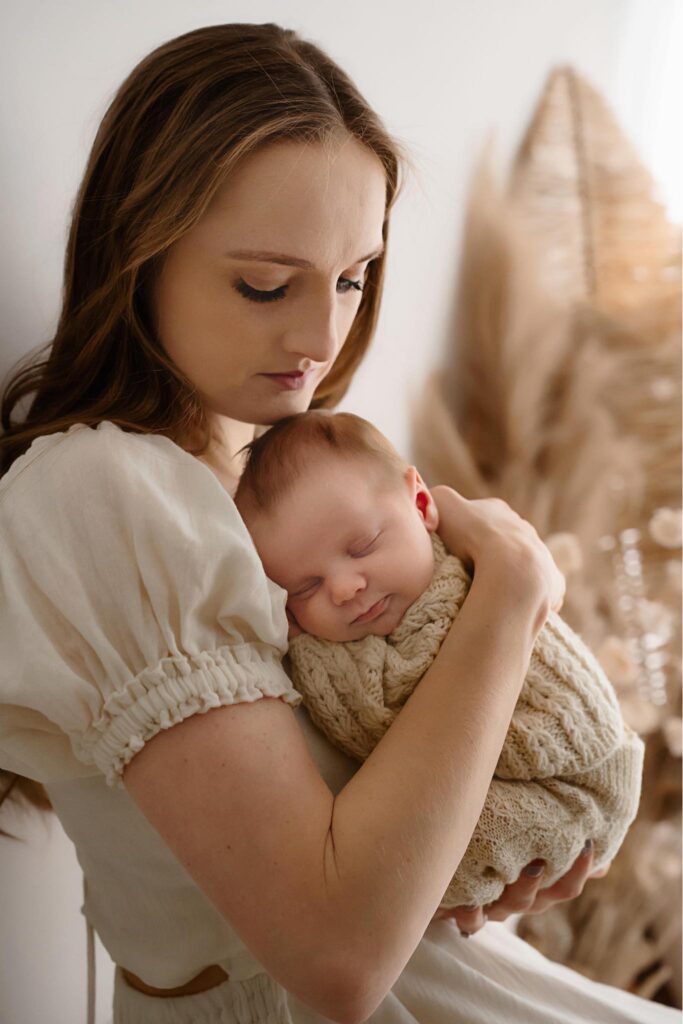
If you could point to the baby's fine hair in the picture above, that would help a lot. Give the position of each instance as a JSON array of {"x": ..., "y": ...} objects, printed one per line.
[{"x": 277, "y": 459}]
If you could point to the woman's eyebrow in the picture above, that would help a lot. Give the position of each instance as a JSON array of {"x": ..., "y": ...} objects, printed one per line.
[{"x": 289, "y": 261}]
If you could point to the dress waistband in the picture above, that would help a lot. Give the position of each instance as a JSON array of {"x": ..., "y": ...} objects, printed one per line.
[{"x": 206, "y": 979}]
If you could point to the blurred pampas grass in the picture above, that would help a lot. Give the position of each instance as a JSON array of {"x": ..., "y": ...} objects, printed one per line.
[{"x": 560, "y": 391}]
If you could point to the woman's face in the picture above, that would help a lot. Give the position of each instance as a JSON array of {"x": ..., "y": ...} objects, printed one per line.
[{"x": 269, "y": 280}]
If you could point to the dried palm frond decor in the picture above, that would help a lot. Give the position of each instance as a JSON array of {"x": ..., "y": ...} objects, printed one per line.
[{"x": 560, "y": 391}]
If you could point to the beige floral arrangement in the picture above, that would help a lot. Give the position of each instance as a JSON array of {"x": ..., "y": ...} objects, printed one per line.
[{"x": 560, "y": 391}]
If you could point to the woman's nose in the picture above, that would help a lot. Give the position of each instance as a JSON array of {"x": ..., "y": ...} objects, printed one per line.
[
  {"x": 315, "y": 331},
  {"x": 344, "y": 587}
]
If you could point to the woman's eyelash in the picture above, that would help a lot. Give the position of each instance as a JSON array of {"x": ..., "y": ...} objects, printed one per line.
[
  {"x": 258, "y": 296},
  {"x": 357, "y": 285},
  {"x": 255, "y": 295}
]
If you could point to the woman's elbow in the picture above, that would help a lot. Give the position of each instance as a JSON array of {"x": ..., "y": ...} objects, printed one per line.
[
  {"x": 350, "y": 1008},
  {"x": 363, "y": 994},
  {"x": 350, "y": 998}
]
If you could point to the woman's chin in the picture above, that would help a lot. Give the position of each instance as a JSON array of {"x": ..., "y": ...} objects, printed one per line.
[
  {"x": 287, "y": 404},
  {"x": 262, "y": 407}
]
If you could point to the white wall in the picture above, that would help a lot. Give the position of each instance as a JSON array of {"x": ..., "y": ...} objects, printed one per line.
[{"x": 443, "y": 75}]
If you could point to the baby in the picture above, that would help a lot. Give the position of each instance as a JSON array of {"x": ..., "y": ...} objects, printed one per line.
[{"x": 348, "y": 529}]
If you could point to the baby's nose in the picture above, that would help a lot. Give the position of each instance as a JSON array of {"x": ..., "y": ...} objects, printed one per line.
[{"x": 344, "y": 588}]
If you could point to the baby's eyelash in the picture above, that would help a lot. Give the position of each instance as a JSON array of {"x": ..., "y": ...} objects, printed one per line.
[
  {"x": 364, "y": 551},
  {"x": 305, "y": 590}
]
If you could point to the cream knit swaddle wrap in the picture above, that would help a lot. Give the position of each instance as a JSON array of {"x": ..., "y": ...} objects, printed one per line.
[{"x": 570, "y": 768}]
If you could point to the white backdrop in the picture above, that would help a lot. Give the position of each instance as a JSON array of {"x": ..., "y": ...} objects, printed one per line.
[{"x": 443, "y": 75}]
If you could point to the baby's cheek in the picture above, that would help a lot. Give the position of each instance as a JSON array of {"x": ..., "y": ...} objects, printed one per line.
[
  {"x": 420, "y": 576},
  {"x": 302, "y": 613},
  {"x": 318, "y": 621}
]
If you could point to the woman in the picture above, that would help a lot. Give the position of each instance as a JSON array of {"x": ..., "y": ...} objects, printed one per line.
[{"x": 224, "y": 270}]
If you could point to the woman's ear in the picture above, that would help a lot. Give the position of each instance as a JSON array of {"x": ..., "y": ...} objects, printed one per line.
[{"x": 422, "y": 499}]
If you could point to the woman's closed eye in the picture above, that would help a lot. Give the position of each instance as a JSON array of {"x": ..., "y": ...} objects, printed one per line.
[{"x": 344, "y": 284}]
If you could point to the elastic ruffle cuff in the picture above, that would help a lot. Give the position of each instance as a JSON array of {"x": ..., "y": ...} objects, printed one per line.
[{"x": 172, "y": 691}]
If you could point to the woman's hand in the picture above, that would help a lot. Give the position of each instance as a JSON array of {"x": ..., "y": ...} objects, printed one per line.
[
  {"x": 524, "y": 895},
  {"x": 486, "y": 534}
]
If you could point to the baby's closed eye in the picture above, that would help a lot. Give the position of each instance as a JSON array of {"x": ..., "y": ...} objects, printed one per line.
[
  {"x": 305, "y": 591},
  {"x": 367, "y": 547}
]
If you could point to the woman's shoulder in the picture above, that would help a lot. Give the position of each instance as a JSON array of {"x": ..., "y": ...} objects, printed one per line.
[
  {"x": 108, "y": 495},
  {"x": 126, "y": 569},
  {"x": 83, "y": 461},
  {"x": 88, "y": 447},
  {"x": 101, "y": 478}
]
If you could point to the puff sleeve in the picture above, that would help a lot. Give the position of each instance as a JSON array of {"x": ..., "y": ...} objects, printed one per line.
[{"x": 131, "y": 597}]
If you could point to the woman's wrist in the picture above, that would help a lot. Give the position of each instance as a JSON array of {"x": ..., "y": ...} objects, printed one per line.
[
  {"x": 517, "y": 596},
  {"x": 502, "y": 551}
]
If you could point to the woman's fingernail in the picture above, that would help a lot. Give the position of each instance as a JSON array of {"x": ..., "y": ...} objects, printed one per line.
[
  {"x": 534, "y": 869},
  {"x": 587, "y": 847}
]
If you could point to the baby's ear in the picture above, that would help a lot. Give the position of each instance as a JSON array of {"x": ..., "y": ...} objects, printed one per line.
[{"x": 422, "y": 498}]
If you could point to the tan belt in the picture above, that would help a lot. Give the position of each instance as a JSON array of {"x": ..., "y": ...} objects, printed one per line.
[{"x": 209, "y": 978}]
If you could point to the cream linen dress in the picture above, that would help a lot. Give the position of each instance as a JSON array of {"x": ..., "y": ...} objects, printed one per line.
[{"x": 131, "y": 597}]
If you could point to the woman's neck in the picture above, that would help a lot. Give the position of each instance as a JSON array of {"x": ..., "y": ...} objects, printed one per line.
[{"x": 222, "y": 458}]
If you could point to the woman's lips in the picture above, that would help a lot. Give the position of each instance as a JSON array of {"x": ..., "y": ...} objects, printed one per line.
[
  {"x": 290, "y": 381},
  {"x": 374, "y": 612}
]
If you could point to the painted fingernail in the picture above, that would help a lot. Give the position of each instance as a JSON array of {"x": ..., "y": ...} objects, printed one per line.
[
  {"x": 587, "y": 847},
  {"x": 536, "y": 868}
]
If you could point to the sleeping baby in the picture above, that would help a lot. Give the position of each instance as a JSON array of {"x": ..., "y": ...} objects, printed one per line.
[{"x": 348, "y": 529}]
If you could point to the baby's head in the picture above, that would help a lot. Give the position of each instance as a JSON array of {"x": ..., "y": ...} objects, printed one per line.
[{"x": 340, "y": 522}]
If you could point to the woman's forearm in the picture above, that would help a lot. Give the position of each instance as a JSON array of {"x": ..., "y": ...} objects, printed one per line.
[{"x": 403, "y": 822}]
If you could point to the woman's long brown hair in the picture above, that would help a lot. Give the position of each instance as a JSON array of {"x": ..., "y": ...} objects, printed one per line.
[{"x": 176, "y": 128}]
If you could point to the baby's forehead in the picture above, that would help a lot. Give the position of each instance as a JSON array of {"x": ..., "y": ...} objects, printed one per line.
[
  {"x": 325, "y": 491},
  {"x": 329, "y": 473},
  {"x": 327, "y": 461},
  {"x": 330, "y": 488}
]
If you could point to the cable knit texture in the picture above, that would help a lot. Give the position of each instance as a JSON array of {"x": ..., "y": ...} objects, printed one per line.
[{"x": 570, "y": 768}]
